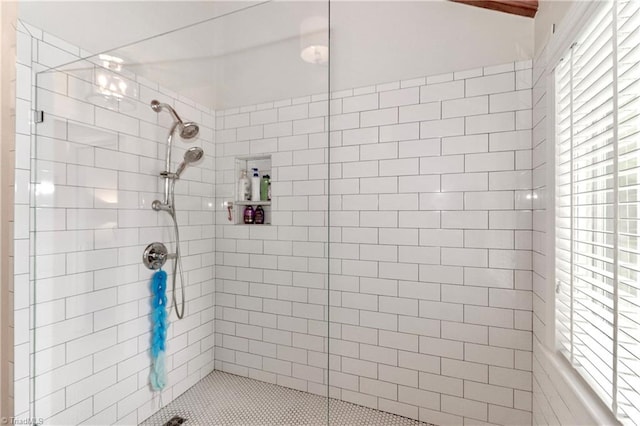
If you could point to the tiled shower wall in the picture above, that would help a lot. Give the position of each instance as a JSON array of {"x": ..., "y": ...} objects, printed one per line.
[
  {"x": 430, "y": 246},
  {"x": 93, "y": 173}
]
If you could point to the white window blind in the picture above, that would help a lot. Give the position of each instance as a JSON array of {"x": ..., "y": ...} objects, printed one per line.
[{"x": 597, "y": 202}]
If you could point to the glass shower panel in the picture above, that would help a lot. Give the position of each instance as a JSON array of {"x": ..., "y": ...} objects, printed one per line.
[{"x": 255, "y": 82}]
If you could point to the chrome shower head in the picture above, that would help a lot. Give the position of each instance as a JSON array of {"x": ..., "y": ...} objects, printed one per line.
[
  {"x": 192, "y": 155},
  {"x": 188, "y": 130}
]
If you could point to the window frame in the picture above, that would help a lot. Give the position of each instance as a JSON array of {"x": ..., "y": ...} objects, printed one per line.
[{"x": 579, "y": 15}]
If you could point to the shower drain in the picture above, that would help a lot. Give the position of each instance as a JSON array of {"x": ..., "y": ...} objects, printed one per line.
[{"x": 175, "y": 421}]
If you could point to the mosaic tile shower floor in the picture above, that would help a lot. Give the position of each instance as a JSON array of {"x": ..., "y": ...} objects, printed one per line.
[{"x": 227, "y": 399}]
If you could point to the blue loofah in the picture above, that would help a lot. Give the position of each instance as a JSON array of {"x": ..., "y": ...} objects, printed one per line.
[{"x": 158, "y": 376}]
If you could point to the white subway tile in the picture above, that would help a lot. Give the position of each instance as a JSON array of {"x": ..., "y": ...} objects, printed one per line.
[
  {"x": 360, "y": 136},
  {"x": 464, "y": 257},
  {"x": 487, "y": 277},
  {"x": 506, "y": 180},
  {"x": 398, "y": 236},
  {"x": 510, "y": 101},
  {"x": 295, "y": 112},
  {"x": 441, "y": 311},
  {"x": 378, "y": 185},
  {"x": 490, "y": 200},
  {"x": 423, "y": 219},
  {"x": 344, "y": 121},
  {"x": 465, "y": 219},
  {"x": 402, "y": 271},
  {"x": 379, "y": 388},
  {"x": 445, "y": 127},
  {"x": 360, "y": 103},
  {"x": 524, "y": 79},
  {"x": 310, "y": 125},
  {"x": 441, "y": 274},
  {"x": 441, "y": 384},
  {"x": 419, "y": 148},
  {"x": 510, "y": 219},
  {"x": 488, "y": 239},
  {"x": 488, "y": 393},
  {"x": 441, "y": 201},
  {"x": 465, "y": 182},
  {"x": 438, "y": 165},
  {"x": 497, "y": 83},
  {"x": 498, "y": 414},
  {"x": 398, "y": 202},
  {"x": 398, "y": 305},
  {"x": 498, "y": 69},
  {"x": 419, "y": 398},
  {"x": 420, "y": 112},
  {"x": 441, "y": 237},
  {"x": 379, "y": 117},
  {"x": 428, "y": 183},
  {"x": 464, "y": 332},
  {"x": 393, "y": 85},
  {"x": 379, "y": 151},
  {"x": 399, "y": 132},
  {"x": 490, "y": 123},
  {"x": 465, "y": 107},
  {"x": 419, "y": 326},
  {"x": 441, "y": 91},
  {"x": 379, "y": 320},
  {"x": 461, "y": 75},
  {"x": 421, "y": 81},
  {"x": 401, "y": 376},
  {"x": 465, "y": 144},
  {"x": 400, "y": 97},
  {"x": 489, "y": 316}
]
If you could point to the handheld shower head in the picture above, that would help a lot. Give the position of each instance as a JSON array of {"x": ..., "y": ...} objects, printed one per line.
[{"x": 192, "y": 155}]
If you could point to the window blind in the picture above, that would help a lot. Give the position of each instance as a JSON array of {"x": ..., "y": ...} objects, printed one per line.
[{"x": 597, "y": 121}]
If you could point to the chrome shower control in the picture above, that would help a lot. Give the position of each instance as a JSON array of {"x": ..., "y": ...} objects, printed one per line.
[
  {"x": 158, "y": 205},
  {"x": 155, "y": 255}
]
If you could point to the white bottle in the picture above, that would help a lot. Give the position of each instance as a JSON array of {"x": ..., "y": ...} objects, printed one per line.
[
  {"x": 255, "y": 185},
  {"x": 244, "y": 187}
]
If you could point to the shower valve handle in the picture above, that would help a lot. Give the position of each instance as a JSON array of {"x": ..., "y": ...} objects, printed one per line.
[{"x": 155, "y": 255}]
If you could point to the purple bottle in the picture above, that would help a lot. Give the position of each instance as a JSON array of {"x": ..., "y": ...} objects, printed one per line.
[
  {"x": 249, "y": 215},
  {"x": 259, "y": 216}
]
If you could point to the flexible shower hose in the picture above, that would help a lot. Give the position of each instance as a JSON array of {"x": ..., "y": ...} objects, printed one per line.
[{"x": 177, "y": 263}]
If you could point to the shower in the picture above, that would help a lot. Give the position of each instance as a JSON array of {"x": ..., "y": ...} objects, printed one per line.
[{"x": 186, "y": 130}]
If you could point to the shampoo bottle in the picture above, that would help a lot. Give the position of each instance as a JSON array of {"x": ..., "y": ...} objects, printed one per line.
[
  {"x": 255, "y": 185},
  {"x": 249, "y": 215},
  {"x": 244, "y": 186},
  {"x": 265, "y": 188},
  {"x": 259, "y": 216}
]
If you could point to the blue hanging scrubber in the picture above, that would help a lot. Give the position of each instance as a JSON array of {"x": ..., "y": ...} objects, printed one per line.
[{"x": 158, "y": 376}]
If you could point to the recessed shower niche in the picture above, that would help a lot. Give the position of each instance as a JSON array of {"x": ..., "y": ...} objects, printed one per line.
[{"x": 258, "y": 200}]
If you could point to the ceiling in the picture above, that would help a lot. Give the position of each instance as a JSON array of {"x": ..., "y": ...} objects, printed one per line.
[
  {"x": 233, "y": 53},
  {"x": 119, "y": 22}
]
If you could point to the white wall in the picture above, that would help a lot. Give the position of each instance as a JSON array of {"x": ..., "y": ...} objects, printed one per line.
[
  {"x": 82, "y": 296},
  {"x": 550, "y": 12},
  {"x": 430, "y": 246}
]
